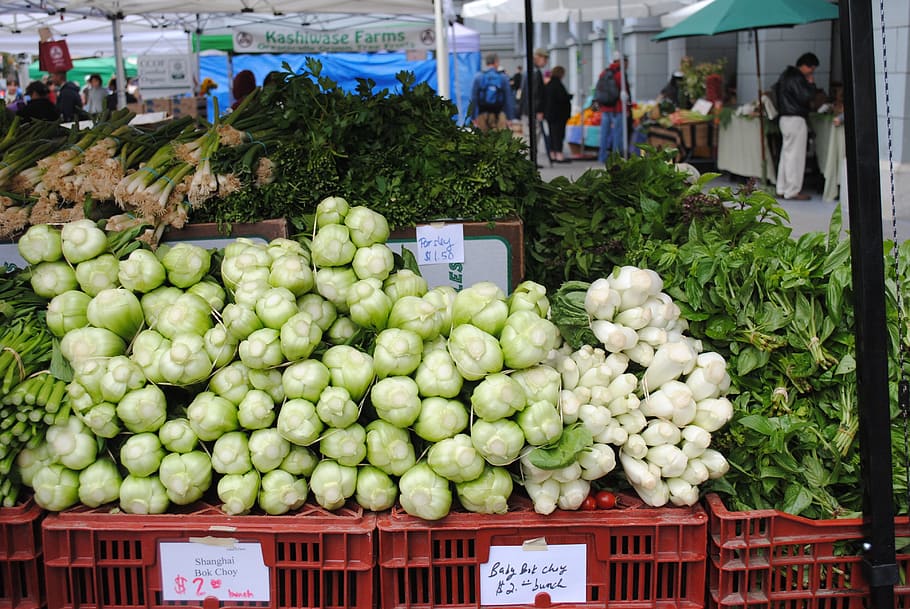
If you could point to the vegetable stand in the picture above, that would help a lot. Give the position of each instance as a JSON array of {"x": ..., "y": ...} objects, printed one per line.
[
  {"x": 196, "y": 428},
  {"x": 583, "y": 140},
  {"x": 739, "y": 151},
  {"x": 695, "y": 141},
  {"x": 305, "y": 418},
  {"x": 830, "y": 152}
]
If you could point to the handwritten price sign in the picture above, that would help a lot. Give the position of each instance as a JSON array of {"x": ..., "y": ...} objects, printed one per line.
[
  {"x": 196, "y": 570},
  {"x": 514, "y": 575},
  {"x": 440, "y": 244}
]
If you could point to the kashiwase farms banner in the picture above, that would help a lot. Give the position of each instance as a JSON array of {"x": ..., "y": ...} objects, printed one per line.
[{"x": 270, "y": 39}]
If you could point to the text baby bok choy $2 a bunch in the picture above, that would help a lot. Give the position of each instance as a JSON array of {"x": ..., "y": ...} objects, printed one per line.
[{"x": 342, "y": 377}]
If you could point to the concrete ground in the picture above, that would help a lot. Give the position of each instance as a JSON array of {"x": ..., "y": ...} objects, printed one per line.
[{"x": 805, "y": 216}]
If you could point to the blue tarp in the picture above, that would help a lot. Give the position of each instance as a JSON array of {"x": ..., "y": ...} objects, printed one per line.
[{"x": 345, "y": 69}]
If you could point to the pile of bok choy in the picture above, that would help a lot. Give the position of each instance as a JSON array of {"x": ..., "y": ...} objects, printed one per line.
[
  {"x": 30, "y": 397},
  {"x": 266, "y": 373}
]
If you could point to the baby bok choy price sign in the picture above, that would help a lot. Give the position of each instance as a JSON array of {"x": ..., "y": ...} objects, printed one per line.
[
  {"x": 213, "y": 567},
  {"x": 517, "y": 575}
]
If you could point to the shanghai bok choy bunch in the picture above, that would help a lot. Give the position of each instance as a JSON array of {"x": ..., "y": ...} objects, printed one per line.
[{"x": 273, "y": 372}]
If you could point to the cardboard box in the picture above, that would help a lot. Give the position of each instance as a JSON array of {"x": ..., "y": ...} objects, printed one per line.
[
  {"x": 212, "y": 236},
  {"x": 163, "y": 104},
  {"x": 190, "y": 106},
  {"x": 700, "y": 138},
  {"x": 493, "y": 251},
  {"x": 693, "y": 140},
  {"x": 577, "y": 151}
]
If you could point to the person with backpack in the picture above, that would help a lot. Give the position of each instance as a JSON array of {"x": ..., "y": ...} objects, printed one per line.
[
  {"x": 492, "y": 103},
  {"x": 609, "y": 102}
]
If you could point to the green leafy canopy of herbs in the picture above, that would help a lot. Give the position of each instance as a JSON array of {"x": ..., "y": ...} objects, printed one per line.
[{"x": 399, "y": 153}]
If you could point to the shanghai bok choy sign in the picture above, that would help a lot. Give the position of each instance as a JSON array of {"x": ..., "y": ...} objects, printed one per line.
[
  {"x": 216, "y": 567},
  {"x": 270, "y": 39}
]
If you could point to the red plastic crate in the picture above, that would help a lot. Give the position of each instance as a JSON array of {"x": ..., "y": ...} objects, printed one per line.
[
  {"x": 770, "y": 559},
  {"x": 20, "y": 557},
  {"x": 95, "y": 559},
  {"x": 637, "y": 557}
]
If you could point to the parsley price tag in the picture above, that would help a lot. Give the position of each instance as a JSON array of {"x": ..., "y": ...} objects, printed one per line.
[{"x": 440, "y": 244}]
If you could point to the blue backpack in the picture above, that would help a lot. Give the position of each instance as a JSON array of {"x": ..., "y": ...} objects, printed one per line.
[{"x": 492, "y": 97}]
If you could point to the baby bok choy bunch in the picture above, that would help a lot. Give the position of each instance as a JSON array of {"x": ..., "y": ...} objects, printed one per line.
[
  {"x": 646, "y": 388},
  {"x": 124, "y": 346}
]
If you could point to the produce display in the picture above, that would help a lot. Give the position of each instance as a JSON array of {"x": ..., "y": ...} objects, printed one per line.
[
  {"x": 779, "y": 309},
  {"x": 285, "y": 148},
  {"x": 267, "y": 373}
]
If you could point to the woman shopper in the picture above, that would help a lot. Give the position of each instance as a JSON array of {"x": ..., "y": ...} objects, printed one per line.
[
  {"x": 557, "y": 110},
  {"x": 95, "y": 95}
]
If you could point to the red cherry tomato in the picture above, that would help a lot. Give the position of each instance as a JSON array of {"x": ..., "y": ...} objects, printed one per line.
[
  {"x": 589, "y": 503},
  {"x": 605, "y": 500}
]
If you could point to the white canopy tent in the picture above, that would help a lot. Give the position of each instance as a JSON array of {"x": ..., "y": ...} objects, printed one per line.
[
  {"x": 589, "y": 10},
  {"x": 512, "y": 11}
]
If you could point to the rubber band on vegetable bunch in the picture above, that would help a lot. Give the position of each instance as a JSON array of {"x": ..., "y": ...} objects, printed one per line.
[{"x": 239, "y": 158}]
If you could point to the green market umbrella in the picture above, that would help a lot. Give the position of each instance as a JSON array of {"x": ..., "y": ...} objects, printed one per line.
[{"x": 723, "y": 16}]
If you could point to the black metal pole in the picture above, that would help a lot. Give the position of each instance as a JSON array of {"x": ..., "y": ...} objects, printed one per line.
[
  {"x": 529, "y": 75},
  {"x": 872, "y": 344}
]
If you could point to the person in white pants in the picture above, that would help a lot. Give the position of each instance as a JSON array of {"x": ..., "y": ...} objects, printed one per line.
[
  {"x": 795, "y": 95},
  {"x": 792, "y": 165}
]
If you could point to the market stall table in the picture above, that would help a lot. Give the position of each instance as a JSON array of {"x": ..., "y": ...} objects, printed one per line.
[
  {"x": 738, "y": 150},
  {"x": 589, "y": 133},
  {"x": 830, "y": 150}
]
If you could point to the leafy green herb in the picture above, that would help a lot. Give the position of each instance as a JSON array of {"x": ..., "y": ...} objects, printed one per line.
[
  {"x": 399, "y": 153},
  {"x": 574, "y": 439}
]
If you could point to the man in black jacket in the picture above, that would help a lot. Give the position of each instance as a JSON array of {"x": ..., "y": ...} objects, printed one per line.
[
  {"x": 39, "y": 106},
  {"x": 541, "y": 56},
  {"x": 795, "y": 94},
  {"x": 69, "y": 97}
]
